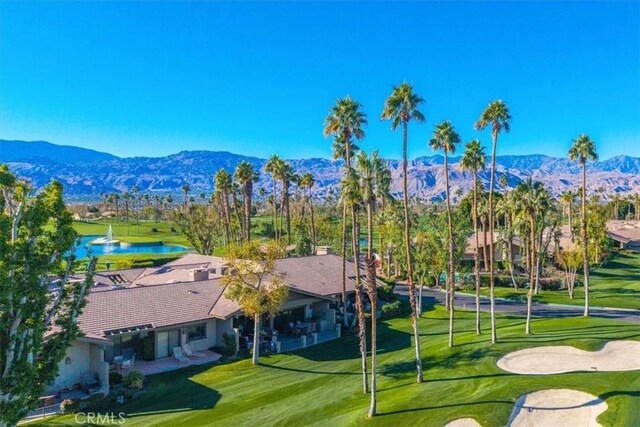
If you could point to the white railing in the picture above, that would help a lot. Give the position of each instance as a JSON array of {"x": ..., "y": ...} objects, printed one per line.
[{"x": 42, "y": 412}]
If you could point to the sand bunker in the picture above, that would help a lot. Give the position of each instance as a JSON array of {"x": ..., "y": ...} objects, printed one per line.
[
  {"x": 614, "y": 356},
  {"x": 559, "y": 407},
  {"x": 463, "y": 422}
]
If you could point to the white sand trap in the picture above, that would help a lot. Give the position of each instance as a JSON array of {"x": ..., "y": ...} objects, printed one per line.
[
  {"x": 463, "y": 422},
  {"x": 560, "y": 407},
  {"x": 614, "y": 356}
]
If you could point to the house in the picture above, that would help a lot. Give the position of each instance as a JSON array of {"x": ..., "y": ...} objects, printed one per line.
[
  {"x": 484, "y": 242},
  {"x": 625, "y": 233},
  {"x": 149, "y": 312}
]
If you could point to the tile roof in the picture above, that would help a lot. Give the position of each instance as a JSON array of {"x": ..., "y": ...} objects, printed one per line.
[
  {"x": 319, "y": 274},
  {"x": 160, "y": 305}
]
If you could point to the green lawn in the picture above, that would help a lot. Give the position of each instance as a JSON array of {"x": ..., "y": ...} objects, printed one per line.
[
  {"x": 132, "y": 233},
  {"x": 322, "y": 385},
  {"x": 615, "y": 285}
]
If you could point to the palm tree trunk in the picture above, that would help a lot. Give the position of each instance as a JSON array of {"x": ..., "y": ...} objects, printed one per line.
[
  {"x": 485, "y": 253},
  {"x": 313, "y": 227},
  {"x": 275, "y": 211},
  {"x": 407, "y": 244},
  {"x": 362, "y": 327},
  {"x": 570, "y": 222},
  {"x": 372, "y": 289},
  {"x": 583, "y": 232},
  {"x": 344, "y": 263},
  {"x": 531, "y": 271},
  {"x": 451, "y": 274},
  {"x": 476, "y": 254},
  {"x": 287, "y": 210},
  {"x": 247, "y": 211},
  {"x": 492, "y": 292}
]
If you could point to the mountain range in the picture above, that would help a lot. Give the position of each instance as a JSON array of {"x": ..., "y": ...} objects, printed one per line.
[{"x": 87, "y": 173}]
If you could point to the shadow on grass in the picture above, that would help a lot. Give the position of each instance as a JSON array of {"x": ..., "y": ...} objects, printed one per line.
[
  {"x": 453, "y": 405},
  {"x": 172, "y": 392}
]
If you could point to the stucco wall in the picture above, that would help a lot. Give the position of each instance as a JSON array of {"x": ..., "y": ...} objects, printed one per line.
[
  {"x": 79, "y": 354},
  {"x": 222, "y": 327},
  {"x": 211, "y": 338}
]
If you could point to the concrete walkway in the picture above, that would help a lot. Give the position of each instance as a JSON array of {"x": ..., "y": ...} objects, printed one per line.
[{"x": 467, "y": 302}]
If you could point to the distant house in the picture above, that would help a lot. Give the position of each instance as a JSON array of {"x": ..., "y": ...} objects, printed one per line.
[
  {"x": 625, "y": 233},
  {"x": 484, "y": 242},
  {"x": 184, "y": 303}
]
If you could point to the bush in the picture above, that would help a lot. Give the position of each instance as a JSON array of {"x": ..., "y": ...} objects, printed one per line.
[
  {"x": 154, "y": 230},
  {"x": 229, "y": 345},
  {"x": 385, "y": 292},
  {"x": 391, "y": 310},
  {"x": 115, "y": 378},
  {"x": 96, "y": 402},
  {"x": 134, "y": 379},
  {"x": 173, "y": 230},
  {"x": 124, "y": 264},
  {"x": 69, "y": 406}
]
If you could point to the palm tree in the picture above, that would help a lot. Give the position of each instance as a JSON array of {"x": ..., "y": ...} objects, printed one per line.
[
  {"x": 286, "y": 174},
  {"x": 445, "y": 138},
  {"x": 345, "y": 122},
  {"x": 497, "y": 115},
  {"x": 401, "y": 107},
  {"x": 531, "y": 200},
  {"x": 371, "y": 171},
  {"x": 584, "y": 150},
  {"x": 272, "y": 167},
  {"x": 246, "y": 175},
  {"x": 136, "y": 190},
  {"x": 351, "y": 196},
  {"x": 567, "y": 198},
  {"x": 185, "y": 190},
  {"x": 307, "y": 182},
  {"x": 222, "y": 182},
  {"x": 474, "y": 160}
]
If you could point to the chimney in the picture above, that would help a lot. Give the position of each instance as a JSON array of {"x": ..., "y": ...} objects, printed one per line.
[{"x": 198, "y": 274}]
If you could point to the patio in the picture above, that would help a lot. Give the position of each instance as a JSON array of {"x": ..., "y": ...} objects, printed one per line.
[
  {"x": 288, "y": 343},
  {"x": 167, "y": 364}
]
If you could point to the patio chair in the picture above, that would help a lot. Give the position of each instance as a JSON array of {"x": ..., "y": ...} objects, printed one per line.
[
  {"x": 177, "y": 354},
  {"x": 127, "y": 364},
  {"x": 189, "y": 353}
]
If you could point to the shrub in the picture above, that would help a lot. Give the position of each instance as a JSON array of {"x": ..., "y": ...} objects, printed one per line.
[
  {"x": 69, "y": 406},
  {"x": 124, "y": 264},
  {"x": 154, "y": 230},
  {"x": 173, "y": 230},
  {"x": 391, "y": 310},
  {"x": 229, "y": 345},
  {"x": 115, "y": 378},
  {"x": 96, "y": 402},
  {"x": 134, "y": 379},
  {"x": 385, "y": 292}
]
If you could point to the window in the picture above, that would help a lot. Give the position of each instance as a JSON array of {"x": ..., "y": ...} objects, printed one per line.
[{"x": 197, "y": 332}]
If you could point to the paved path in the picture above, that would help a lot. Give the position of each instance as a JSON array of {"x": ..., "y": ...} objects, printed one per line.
[{"x": 520, "y": 308}]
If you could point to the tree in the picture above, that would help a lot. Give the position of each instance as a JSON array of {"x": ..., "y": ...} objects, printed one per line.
[
  {"x": 351, "y": 197},
  {"x": 37, "y": 321},
  {"x": 401, "y": 107},
  {"x": 531, "y": 200},
  {"x": 222, "y": 182},
  {"x": 136, "y": 191},
  {"x": 582, "y": 151},
  {"x": 474, "y": 160},
  {"x": 272, "y": 167},
  {"x": 307, "y": 182},
  {"x": 185, "y": 191},
  {"x": 568, "y": 198},
  {"x": 201, "y": 225},
  {"x": 246, "y": 175},
  {"x": 370, "y": 170},
  {"x": 497, "y": 116},
  {"x": 445, "y": 138},
  {"x": 345, "y": 122},
  {"x": 570, "y": 261},
  {"x": 255, "y": 284}
]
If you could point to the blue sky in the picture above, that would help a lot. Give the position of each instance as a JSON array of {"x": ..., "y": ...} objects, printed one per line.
[{"x": 142, "y": 78}]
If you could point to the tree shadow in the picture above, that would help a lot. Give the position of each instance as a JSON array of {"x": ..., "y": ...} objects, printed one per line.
[{"x": 453, "y": 405}]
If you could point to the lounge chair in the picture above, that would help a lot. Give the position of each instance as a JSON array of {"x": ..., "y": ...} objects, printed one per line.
[
  {"x": 177, "y": 354},
  {"x": 189, "y": 353}
]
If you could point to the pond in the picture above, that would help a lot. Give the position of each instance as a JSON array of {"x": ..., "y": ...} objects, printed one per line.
[{"x": 138, "y": 248}]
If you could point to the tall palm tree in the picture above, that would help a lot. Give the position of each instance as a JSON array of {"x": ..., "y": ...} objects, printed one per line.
[
  {"x": 223, "y": 185},
  {"x": 497, "y": 116},
  {"x": 272, "y": 167},
  {"x": 246, "y": 175},
  {"x": 308, "y": 181},
  {"x": 371, "y": 172},
  {"x": 351, "y": 196},
  {"x": 286, "y": 174},
  {"x": 474, "y": 160},
  {"x": 584, "y": 150},
  {"x": 185, "y": 190},
  {"x": 531, "y": 200},
  {"x": 567, "y": 198},
  {"x": 345, "y": 122},
  {"x": 401, "y": 107},
  {"x": 445, "y": 138}
]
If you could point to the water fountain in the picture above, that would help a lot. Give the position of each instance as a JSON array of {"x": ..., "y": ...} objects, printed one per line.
[{"x": 107, "y": 240}]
